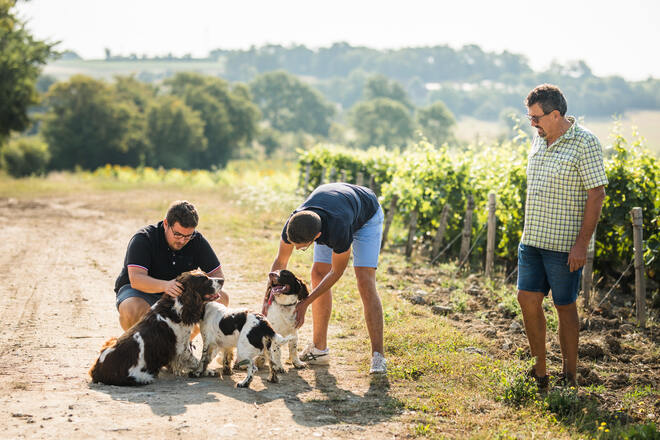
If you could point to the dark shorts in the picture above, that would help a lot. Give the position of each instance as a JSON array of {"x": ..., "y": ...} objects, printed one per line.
[
  {"x": 126, "y": 291},
  {"x": 541, "y": 270}
]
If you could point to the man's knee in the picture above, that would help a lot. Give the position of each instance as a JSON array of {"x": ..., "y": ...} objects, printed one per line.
[
  {"x": 131, "y": 310},
  {"x": 566, "y": 311},
  {"x": 319, "y": 270},
  {"x": 530, "y": 299}
]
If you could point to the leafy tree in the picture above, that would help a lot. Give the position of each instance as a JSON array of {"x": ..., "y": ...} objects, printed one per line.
[
  {"x": 344, "y": 90},
  {"x": 130, "y": 89},
  {"x": 44, "y": 82},
  {"x": 25, "y": 156},
  {"x": 20, "y": 59},
  {"x": 381, "y": 121},
  {"x": 436, "y": 123},
  {"x": 289, "y": 104},
  {"x": 138, "y": 95},
  {"x": 87, "y": 126},
  {"x": 174, "y": 131},
  {"x": 379, "y": 86},
  {"x": 230, "y": 117}
]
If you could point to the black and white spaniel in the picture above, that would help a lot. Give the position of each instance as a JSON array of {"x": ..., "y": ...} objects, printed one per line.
[
  {"x": 223, "y": 329},
  {"x": 161, "y": 338},
  {"x": 284, "y": 292}
]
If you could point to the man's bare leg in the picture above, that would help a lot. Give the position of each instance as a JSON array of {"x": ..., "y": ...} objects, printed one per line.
[
  {"x": 569, "y": 334},
  {"x": 321, "y": 308},
  {"x": 531, "y": 304},
  {"x": 373, "y": 309}
]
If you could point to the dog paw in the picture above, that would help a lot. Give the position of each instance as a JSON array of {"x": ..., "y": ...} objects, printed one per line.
[
  {"x": 227, "y": 371},
  {"x": 299, "y": 365},
  {"x": 274, "y": 379},
  {"x": 212, "y": 373},
  {"x": 279, "y": 369}
]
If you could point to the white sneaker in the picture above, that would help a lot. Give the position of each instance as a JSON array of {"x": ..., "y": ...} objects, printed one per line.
[
  {"x": 314, "y": 356},
  {"x": 378, "y": 364}
]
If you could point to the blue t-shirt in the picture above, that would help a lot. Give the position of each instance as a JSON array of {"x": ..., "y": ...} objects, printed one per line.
[{"x": 344, "y": 208}]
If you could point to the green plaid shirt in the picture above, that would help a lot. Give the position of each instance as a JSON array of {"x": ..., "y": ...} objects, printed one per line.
[{"x": 558, "y": 178}]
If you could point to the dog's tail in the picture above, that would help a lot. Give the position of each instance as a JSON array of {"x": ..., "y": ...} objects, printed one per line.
[
  {"x": 110, "y": 343},
  {"x": 278, "y": 339}
]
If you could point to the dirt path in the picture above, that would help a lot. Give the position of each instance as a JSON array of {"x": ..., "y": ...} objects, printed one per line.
[{"x": 58, "y": 262}]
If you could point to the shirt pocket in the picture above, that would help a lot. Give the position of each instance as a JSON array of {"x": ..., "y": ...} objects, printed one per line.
[{"x": 565, "y": 172}]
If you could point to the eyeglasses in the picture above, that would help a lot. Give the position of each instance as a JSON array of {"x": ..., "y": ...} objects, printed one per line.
[
  {"x": 179, "y": 235},
  {"x": 536, "y": 118}
]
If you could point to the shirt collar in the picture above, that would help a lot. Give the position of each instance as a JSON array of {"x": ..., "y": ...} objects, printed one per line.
[{"x": 568, "y": 134}]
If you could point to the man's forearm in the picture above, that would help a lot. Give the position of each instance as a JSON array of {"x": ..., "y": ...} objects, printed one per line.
[
  {"x": 592, "y": 211},
  {"x": 145, "y": 283},
  {"x": 326, "y": 284}
]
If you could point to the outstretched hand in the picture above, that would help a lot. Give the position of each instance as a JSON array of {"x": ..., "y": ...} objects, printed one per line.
[{"x": 301, "y": 309}]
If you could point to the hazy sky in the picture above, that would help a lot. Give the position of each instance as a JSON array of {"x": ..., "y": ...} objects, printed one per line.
[{"x": 613, "y": 37}]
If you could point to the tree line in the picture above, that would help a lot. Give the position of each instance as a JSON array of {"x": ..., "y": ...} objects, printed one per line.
[
  {"x": 496, "y": 80},
  {"x": 189, "y": 120},
  {"x": 198, "y": 121}
]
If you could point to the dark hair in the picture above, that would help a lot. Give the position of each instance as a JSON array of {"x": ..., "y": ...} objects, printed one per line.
[
  {"x": 303, "y": 227},
  {"x": 182, "y": 212},
  {"x": 549, "y": 97}
]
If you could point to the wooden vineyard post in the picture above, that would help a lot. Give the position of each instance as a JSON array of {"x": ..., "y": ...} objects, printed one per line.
[
  {"x": 331, "y": 175},
  {"x": 411, "y": 232},
  {"x": 360, "y": 179},
  {"x": 322, "y": 178},
  {"x": 467, "y": 231},
  {"x": 640, "y": 281},
  {"x": 440, "y": 232},
  {"x": 343, "y": 175},
  {"x": 490, "y": 242},
  {"x": 388, "y": 219}
]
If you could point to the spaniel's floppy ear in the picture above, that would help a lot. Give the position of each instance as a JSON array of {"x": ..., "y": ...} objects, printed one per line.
[
  {"x": 192, "y": 309},
  {"x": 302, "y": 292},
  {"x": 269, "y": 287}
]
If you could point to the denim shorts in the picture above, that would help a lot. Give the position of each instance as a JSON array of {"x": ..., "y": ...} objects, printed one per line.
[
  {"x": 366, "y": 244},
  {"x": 126, "y": 291},
  {"x": 541, "y": 270}
]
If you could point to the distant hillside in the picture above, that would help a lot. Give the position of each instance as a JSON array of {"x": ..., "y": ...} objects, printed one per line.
[{"x": 470, "y": 81}]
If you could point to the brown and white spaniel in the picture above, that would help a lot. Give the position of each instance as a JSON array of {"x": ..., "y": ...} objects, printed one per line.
[
  {"x": 161, "y": 338},
  {"x": 284, "y": 292}
]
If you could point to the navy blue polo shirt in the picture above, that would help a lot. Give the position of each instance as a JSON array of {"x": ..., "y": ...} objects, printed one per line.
[
  {"x": 149, "y": 249},
  {"x": 344, "y": 208}
]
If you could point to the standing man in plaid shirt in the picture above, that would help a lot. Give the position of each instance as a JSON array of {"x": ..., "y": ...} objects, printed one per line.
[{"x": 565, "y": 193}]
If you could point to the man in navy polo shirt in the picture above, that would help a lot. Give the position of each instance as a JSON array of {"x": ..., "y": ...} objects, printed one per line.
[
  {"x": 156, "y": 255},
  {"x": 336, "y": 217}
]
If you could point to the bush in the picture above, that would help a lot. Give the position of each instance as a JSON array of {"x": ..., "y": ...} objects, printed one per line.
[{"x": 24, "y": 157}]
